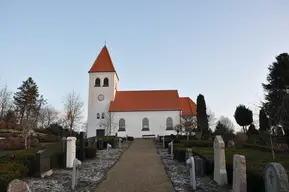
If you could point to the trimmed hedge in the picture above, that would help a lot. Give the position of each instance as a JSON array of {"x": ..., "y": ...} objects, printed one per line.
[
  {"x": 197, "y": 143},
  {"x": 10, "y": 171}
]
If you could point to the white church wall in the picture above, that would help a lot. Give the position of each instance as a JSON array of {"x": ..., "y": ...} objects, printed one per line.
[{"x": 157, "y": 122}]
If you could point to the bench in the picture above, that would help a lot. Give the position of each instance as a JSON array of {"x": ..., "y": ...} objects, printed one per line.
[{"x": 148, "y": 136}]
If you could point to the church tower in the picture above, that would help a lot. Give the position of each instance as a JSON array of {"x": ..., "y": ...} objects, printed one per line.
[{"x": 103, "y": 81}]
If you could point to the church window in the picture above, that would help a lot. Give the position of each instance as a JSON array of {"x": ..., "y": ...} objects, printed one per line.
[
  {"x": 145, "y": 124},
  {"x": 98, "y": 116},
  {"x": 97, "y": 82},
  {"x": 121, "y": 125},
  {"x": 169, "y": 123},
  {"x": 105, "y": 82},
  {"x": 102, "y": 115}
]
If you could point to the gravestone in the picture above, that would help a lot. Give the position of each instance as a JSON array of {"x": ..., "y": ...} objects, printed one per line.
[
  {"x": 171, "y": 146},
  {"x": 239, "y": 173},
  {"x": 276, "y": 178},
  {"x": 199, "y": 166},
  {"x": 190, "y": 161},
  {"x": 231, "y": 144},
  {"x": 76, "y": 167},
  {"x": 82, "y": 146},
  {"x": 18, "y": 186},
  {"x": 119, "y": 142},
  {"x": 108, "y": 147},
  {"x": 42, "y": 164},
  {"x": 70, "y": 151},
  {"x": 189, "y": 153},
  {"x": 220, "y": 173},
  {"x": 163, "y": 139}
]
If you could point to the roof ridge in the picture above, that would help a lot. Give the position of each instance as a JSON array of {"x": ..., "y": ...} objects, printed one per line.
[{"x": 149, "y": 90}]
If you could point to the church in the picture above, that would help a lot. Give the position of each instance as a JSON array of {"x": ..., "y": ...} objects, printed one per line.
[{"x": 139, "y": 114}]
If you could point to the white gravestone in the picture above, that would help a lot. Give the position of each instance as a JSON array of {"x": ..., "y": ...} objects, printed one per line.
[
  {"x": 119, "y": 142},
  {"x": 163, "y": 139},
  {"x": 18, "y": 186},
  {"x": 70, "y": 151},
  {"x": 108, "y": 147},
  {"x": 191, "y": 163},
  {"x": 276, "y": 178},
  {"x": 76, "y": 166},
  {"x": 171, "y": 145},
  {"x": 220, "y": 173},
  {"x": 239, "y": 174}
]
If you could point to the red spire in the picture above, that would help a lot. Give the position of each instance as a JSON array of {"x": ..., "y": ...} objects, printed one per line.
[{"x": 103, "y": 62}]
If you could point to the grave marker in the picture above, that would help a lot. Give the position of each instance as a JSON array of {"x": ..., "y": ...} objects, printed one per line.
[
  {"x": 276, "y": 178},
  {"x": 220, "y": 173},
  {"x": 17, "y": 185},
  {"x": 199, "y": 166},
  {"x": 190, "y": 161},
  {"x": 171, "y": 145},
  {"x": 43, "y": 167},
  {"x": 108, "y": 147},
  {"x": 163, "y": 139},
  {"x": 76, "y": 167},
  {"x": 239, "y": 173},
  {"x": 82, "y": 146},
  {"x": 119, "y": 142},
  {"x": 70, "y": 151}
]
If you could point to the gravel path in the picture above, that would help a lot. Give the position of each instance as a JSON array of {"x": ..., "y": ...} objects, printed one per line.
[
  {"x": 139, "y": 170},
  {"x": 90, "y": 174},
  {"x": 180, "y": 176}
]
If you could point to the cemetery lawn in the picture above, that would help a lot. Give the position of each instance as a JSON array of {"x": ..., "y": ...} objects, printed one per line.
[{"x": 255, "y": 159}]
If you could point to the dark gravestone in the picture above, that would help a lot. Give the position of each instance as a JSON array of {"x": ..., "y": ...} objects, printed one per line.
[
  {"x": 199, "y": 166},
  {"x": 82, "y": 146},
  {"x": 43, "y": 167},
  {"x": 100, "y": 132}
]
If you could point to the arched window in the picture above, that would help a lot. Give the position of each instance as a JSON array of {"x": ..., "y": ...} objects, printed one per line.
[
  {"x": 98, "y": 116},
  {"x": 145, "y": 124},
  {"x": 102, "y": 115},
  {"x": 169, "y": 123},
  {"x": 105, "y": 82},
  {"x": 121, "y": 125},
  {"x": 97, "y": 82}
]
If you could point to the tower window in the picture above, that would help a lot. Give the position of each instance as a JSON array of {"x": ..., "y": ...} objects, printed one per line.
[
  {"x": 102, "y": 115},
  {"x": 98, "y": 116},
  {"x": 105, "y": 82},
  {"x": 97, "y": 82},
  {"x": 145, "y": 124}
]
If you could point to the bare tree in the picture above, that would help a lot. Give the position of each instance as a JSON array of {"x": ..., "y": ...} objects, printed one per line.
[
  {"x": 5, "y": 101},
  {"x": 47, "y": 116},
  {"x": 227, "y": 123},
  {"x": 211, "y": 119},
  {"x": 189, "y": 124},
  {"x": 179, "y": 129},
  {"x": 27, "y": 130},
  {"x": 73, "y": 109},
  {"x": 109, "y": 123}
]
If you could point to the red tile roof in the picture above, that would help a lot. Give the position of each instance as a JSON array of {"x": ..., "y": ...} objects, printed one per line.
[
  {"x": 103, "y": 62},
  {"x": 188, "y": 106},
  {"x": 154, "y": 100}
]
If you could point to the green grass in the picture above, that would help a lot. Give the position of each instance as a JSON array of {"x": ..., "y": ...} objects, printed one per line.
[{"x": 9, "y": 131}]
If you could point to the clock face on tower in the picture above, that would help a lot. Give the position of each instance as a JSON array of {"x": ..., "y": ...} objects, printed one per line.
[{"x": 100, "y": 97}]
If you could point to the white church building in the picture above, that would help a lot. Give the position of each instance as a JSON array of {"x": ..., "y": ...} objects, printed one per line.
[{"x": 134, "y": 113}]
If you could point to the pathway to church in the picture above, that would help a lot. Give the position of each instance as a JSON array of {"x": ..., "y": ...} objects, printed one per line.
[{"x": 140, "y": 169}]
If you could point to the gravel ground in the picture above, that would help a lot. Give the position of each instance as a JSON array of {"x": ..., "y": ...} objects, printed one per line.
[
  {"x": 180, "y": 176},
  {"x": 91, "y": 173}
]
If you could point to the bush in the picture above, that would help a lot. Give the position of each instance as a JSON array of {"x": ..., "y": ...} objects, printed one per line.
[
  {"x": 90, "y": 152},
  {"x": 10, "y": 171},
  {"x": 197, "y": 143},
  {"x": 48, "y": 138}
]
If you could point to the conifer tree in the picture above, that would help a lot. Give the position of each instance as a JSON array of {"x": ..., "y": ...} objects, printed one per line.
[{"x": 202, "y": 117}]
